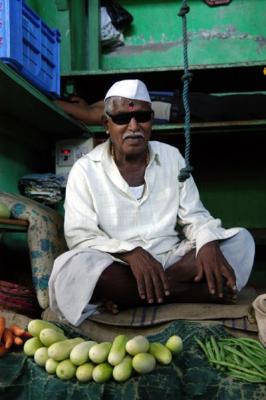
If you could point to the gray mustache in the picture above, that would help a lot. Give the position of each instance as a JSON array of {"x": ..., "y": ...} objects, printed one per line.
[{"x": 132, "y": 135}]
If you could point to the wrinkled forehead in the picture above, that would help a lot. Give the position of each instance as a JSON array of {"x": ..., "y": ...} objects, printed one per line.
[{"x": 127, "y": 105}]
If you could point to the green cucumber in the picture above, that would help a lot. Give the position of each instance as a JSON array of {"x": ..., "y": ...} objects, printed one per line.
[
  {"x": 51, "y": 365},
  {"x": 49, "y": 336},
  {"x": 118, "y": 350},
  {"x": 138, "y": 344},
  {"x": 143, "y": 363},
  {"x": 65, "y": 370},
  {"x": 123, "y": 370},
  {"x": 102, "y": 372},
  {"x": 31, "y": 345},
  {"x": 60, "y": 351},
  {"x": 99, "y": 352},
  {"x": 84, "y": 372},
  {"x": 35, "y": 326},
  {"x": 80, "y": 353},
  {"x": 174, "y": 344},
  {"x": 161, "y": 353},
  {"x": 40, "y": 356}
]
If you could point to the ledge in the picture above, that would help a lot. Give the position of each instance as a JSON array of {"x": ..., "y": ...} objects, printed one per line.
[
  {"x": 22, "y": 101},
  {"x": 202, "y": 127}
]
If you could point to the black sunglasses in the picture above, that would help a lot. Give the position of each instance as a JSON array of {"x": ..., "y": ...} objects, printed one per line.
[{"x": 125, "y": 118}]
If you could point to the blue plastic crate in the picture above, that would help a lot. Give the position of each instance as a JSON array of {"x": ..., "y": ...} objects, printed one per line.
[{"x": 29, "y": 46}]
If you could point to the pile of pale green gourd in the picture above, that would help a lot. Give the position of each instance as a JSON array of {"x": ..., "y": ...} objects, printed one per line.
[{"x": 87, "y": 360}]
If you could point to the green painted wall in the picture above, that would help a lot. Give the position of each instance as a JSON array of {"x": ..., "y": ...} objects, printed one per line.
[
  {"x": 17, "y": 158},
  {"x": 13, "y": 164},
  {"x": 230, "y": 171},
  {"x": 222, "y": 36}
]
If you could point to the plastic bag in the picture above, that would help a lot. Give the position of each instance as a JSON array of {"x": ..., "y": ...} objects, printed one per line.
[{"x": 120, "y": 17}]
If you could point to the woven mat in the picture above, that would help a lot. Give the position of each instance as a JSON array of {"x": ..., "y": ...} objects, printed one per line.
[{"x": 153, "y": 319}]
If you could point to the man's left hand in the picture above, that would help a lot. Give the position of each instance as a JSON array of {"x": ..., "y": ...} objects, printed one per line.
[{"x": 212, "y": 264}]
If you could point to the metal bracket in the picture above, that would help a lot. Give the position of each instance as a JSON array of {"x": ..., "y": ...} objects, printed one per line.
[{"x": 213, "y": 3}]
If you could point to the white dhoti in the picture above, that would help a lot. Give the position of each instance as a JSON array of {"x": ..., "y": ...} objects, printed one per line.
[{"x": 76, "y": 272}]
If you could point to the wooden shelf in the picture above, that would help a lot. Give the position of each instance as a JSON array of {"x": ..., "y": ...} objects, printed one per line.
[
  {"x": 202, "y": 127},
  {"x": 22, "y": 102}
]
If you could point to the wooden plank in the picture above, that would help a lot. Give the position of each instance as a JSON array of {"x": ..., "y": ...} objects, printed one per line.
[{"x": 13, "y": 225}]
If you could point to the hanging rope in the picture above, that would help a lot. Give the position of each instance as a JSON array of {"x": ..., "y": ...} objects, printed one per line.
[{"x": 185, "y": 172}]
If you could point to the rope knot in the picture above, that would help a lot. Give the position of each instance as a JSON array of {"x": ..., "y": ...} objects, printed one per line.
[
  {"x": 184, "y": 173},
  {"x": 183, "y": 10},
  {"x": 187, "y": 76}
]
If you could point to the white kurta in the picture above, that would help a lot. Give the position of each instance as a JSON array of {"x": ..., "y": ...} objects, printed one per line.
[{"x": 101, "y": 213}]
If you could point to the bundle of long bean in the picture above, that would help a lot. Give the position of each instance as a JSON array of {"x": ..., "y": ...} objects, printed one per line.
[{"x": 243, "y": 358}]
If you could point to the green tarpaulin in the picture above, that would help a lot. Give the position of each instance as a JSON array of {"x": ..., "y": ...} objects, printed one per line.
[{"x": 188, "y": 377}]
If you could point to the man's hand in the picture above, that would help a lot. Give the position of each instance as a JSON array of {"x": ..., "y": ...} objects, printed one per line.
[
  {"x": 150, "y": 276},
  {"x": 211, "y": 262},
  {"x": 76, "y": 106},
  {"x": 81, "y": 110}
]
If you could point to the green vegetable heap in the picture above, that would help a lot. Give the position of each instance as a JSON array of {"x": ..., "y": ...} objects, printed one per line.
[
  {"x": 87, "y": 360},
  {"x": 242, "y": 358}
]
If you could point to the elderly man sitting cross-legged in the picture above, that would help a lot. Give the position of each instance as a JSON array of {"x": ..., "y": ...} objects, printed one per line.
[{"x": 122, "y": 208}]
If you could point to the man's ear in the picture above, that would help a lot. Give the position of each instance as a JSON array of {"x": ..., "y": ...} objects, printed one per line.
[{"x": 105, "y": 123}]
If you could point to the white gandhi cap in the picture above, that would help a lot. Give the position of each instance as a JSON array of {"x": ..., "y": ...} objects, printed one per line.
[{"x": 133, "y": 89}]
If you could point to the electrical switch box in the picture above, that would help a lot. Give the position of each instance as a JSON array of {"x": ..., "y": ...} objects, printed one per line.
[{"x": 68, "y": 152}]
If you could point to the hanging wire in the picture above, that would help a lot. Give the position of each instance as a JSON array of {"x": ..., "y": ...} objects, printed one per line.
[{"x": 187, "y": 76}]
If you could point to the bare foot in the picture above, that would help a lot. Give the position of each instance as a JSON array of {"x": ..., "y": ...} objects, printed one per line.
[{"x": 110, "y": 307}]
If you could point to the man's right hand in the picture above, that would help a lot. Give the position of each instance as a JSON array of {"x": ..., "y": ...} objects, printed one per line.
[{"x": 150, "y": 276}]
